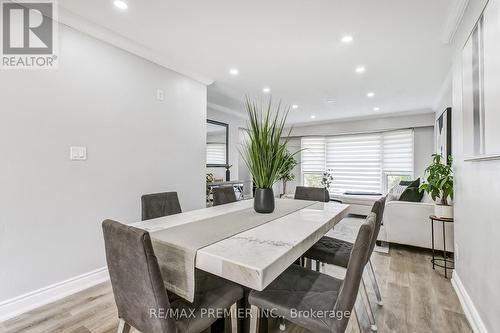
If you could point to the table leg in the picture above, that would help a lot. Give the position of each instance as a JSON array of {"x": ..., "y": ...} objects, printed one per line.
[
  {"x": 432, "y": 232},
  {"x": 444, "y": 251}
]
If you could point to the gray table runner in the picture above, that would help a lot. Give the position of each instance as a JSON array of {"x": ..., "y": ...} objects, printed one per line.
[{"x": 176, "y": 247}]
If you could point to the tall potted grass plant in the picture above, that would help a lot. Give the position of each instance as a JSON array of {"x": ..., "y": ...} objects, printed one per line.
[{"x": 265, "y": 152}]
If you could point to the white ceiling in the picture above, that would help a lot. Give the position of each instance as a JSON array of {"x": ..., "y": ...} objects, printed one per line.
[{"x": 293, "y": 47}]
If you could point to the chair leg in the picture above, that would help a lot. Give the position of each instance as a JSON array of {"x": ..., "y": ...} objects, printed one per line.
[
  {"x": 282, "y": 324},
  {"x": 371, "y": 272},
  {"x": 123, "y": 327},
  {"x": 367, "y": 306},
  {"x": 355, "y": 327},
  {"x": 234, "y": 318},
  {"x": 254, "y": 319}
]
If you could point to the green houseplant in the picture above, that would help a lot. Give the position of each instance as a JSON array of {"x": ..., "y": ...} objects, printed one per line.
[
  {"x": 287, "y": 175},
  {"x": 439, "y": 184},
  {"x": 265, "y": 153}
]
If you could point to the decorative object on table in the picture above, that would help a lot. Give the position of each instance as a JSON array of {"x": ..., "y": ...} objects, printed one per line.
[
  {"x": 439, "y": 184},
  {"x": 210, "y": 178},
  {"x": 287, "y": 174},
  {"x": 480, "y": 98},
  {"x": 265, "y": 152},
  {"x": 447, "y": 263},
  {"x": 443, "y": 135},
  {"x": 327, "y": 179},
  {"x": 228, "y": 172}
]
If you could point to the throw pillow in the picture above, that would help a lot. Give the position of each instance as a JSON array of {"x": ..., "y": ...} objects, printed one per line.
[
  {"x": 412, "y": 193},
  {"x": 396, "y": 191}
]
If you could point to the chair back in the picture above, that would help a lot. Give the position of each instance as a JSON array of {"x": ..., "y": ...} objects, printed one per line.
[
  {"x": 378, "y": 209},
  {"x": 136, "y": 280},
  {"x": 160, "y": 204},
  {"x": 223, "y": 195},
  {"x": 357, "y": 261},
  {"x": 312, "y": 193}
]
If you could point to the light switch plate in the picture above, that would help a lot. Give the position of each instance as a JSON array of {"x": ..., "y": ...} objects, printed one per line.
[
  {"x": 78, "y": 153},
  {"x": 160, "y": 95}
]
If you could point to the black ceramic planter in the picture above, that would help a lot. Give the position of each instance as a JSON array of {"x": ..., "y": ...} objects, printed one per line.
[{"x": 264, "y": 200}]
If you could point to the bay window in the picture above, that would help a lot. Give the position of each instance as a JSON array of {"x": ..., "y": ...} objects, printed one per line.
[{"x": 371, "y": 162}]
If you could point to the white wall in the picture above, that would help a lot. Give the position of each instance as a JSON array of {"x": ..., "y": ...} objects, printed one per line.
[
  {"x": 424, "y": 137},
  {"x": 477, "y": 195},
  {"x": 105, "y": 99},
  {"x": 424, "y": 148},
  {"x": 365, "y": 125}
]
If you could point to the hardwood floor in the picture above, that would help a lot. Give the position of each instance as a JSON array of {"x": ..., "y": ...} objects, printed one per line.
[{"x": 416, "y": 299}]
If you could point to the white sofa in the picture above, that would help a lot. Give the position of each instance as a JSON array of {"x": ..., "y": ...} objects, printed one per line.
[
  {"x": 404, "y": 222},
  {"x": 408, "y": 223}
]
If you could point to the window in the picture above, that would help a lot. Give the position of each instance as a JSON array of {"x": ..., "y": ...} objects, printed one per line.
[
  {"x": 216, "y": 153},
  {"x": 359, "y": 162},
  {"x": 313, "y": 160},
  {"x": 398, "y": 157}
]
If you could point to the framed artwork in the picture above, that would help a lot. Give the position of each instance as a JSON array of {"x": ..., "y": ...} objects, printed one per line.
[
  {"x": 443, "y": 135},
  {"x": 481, "y": 79}
]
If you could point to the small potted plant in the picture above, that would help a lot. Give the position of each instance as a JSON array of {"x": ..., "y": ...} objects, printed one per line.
[
  {"x": 327, "y": 181},
  {"x": 439, "y": 184},
  {"x": 265, "y": 152},
  {"x": 287, "y": 175}
]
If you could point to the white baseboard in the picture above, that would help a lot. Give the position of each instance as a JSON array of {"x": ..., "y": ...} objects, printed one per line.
[
  {"x": 470, "y": 310},
  {"x": 32, "y": 300}
]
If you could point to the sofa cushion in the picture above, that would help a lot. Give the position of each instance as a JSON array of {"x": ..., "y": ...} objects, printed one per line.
[
  {"x": 396, "y": 191},
  {"x": 412, "y": 192}
]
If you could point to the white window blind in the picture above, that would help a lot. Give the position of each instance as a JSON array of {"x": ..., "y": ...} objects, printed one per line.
[
  {"x": 216, "y": 153},
  {"x": 398, "y": 151},
  {"x": 313, "y": 155},
  {"x": 359, "y": 162},
  {"x": 356, "y": 162}
]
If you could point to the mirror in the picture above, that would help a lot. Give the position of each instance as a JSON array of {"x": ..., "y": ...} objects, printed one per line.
[{"x": 217, "y": 143}]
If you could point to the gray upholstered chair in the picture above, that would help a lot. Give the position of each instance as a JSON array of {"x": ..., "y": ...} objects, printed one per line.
[
  {"x": 300, "y": 291},
  {"x": 312, "y": 193},
  {"x": 160, "y": 204},
  {"x": 139, "y": 291},
  {"x": 223, "y": 195},
  {"x": 337, "y": 252}
]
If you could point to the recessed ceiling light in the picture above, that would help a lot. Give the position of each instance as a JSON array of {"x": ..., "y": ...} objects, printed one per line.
[
  {"x": 376, "y": 108},
  {"x": 346, "y": 39},
  {"x": 313, "y": 116},
  {"x": 330, "y": 101},
  {"x": 295, "y": 106},
  {"x": 234, "y": 71},
  {"x": 266, "y": 90},
  {"x": 370, "y": 94},
  {"x": 360, "y": 69},
  {"x": 120, "y": 4}
]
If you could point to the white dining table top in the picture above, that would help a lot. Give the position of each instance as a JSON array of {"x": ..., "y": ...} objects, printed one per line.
[{"x": 254, "y": 258}]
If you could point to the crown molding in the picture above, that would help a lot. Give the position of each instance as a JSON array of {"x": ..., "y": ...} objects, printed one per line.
[
  {"x": 83, "y": 25},
  {"x": 456, "y": 12}
]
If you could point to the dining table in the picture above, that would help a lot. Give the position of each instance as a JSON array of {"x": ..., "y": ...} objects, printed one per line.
[{"x": 236, "y": 243}]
